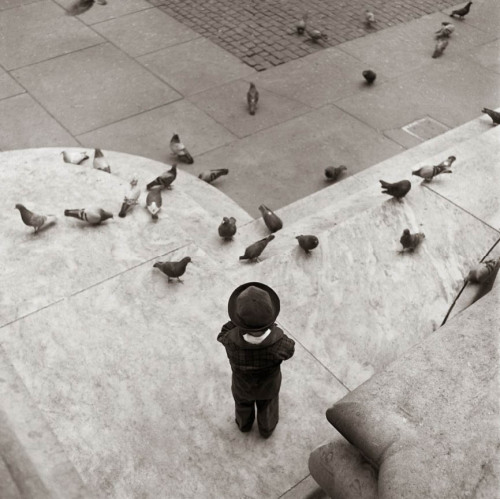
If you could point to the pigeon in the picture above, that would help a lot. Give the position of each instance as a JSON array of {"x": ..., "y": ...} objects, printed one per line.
[
  {"x": 369, "y": 18},
  {"x": 74, "y": 157},
  {"x": 253, "y": 251},
  {"x": 173, "y": 269},
  {"x": 369, "y": 76},
  {"x": 272, "y": 221},
  {"x": 445, "y": 31},
  {"x": 397, "y": 190},
  {"x": 441, "y": 44},
  {"x": 33, "y": 220},
  {"x": 252, "y": 98},
  {"x": 131, "y": 197},
  {"x": 307, "y": 243},
  {"x": 210, "y": 175},
  {"x": 333, "y": 173},
  {"x": 100, "y": 162},
  {"x": 429, "y": 172},
  {"x": 154, "y": 202},
  {"x": 165, "y": 179},
  {"x": 301, "y": 25},
  {"x": 179, "y": 149},
  {"x": 80, "y": 6},
  {"x": 227, "y": 228},
  {"x": 315, "y": 34},
  {"x": 411, "y": 241},
  {"x": 93, "y": 216},
  {"x": 482, "y": 270},
  {"x": 494, "y": 115},
  {"x": 444, "y": 165},
  {"x": 461, "y": 12}
]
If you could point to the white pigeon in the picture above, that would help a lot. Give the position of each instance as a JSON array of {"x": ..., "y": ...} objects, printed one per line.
[
  {"x": 100, "y": 162},
  {"x": 74, "y": 157},
  {"x": 131, "y": 196}
]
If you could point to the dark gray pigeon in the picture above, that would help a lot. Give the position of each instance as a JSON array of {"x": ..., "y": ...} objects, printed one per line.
[
  {"x": 397, "y": 190},
  {"x": 173, "y": 269},
  {"x": 165, "y": 179},
  {"x": 307, "y": 243},
  {"x": 411, "y": 241},
  {"x": 81, "y": 6},
  {"x": 369, "y": 76},
  {"x": 210, "y": 175},
  {"x": 252, "y": 98},
  {"x": 461, "y": 12},
  {"x": 272, "y": 221},
  {"x": 333, "y": 173},
  {"x": 227, "y": 228},
  {"x": 494, "y": 115},
  {"x": 253, "y": 251}
]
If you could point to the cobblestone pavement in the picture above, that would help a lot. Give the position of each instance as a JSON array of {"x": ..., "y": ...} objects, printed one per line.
[{"x": 262, "y": 32}]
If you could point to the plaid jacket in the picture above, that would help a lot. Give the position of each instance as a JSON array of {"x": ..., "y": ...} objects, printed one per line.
[{"x": 256, "y": 367}]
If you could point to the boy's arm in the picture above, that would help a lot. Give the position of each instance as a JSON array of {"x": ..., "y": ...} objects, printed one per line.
[
  {"x": 225, "y": 328},
  {"x": 287, "y": 348}
]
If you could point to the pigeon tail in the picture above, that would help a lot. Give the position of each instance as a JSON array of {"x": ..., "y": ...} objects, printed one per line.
[
  {"x": 124, "y": 209},
  {"x": 75, "y": 213},
  {"x": 186, "y": 157}
]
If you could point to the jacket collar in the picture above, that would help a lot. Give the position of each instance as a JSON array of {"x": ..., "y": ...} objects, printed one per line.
[{"x": 236, "y": 336}]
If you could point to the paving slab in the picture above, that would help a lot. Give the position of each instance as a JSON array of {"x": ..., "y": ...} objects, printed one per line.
[
  {"x": 408, "y": 47},
  {"x": 320, "y": 78},
  {"x": 9, "y": 4},
  {"x": 293, "y": 156},
  {"x": 370, "y": 317},
  {"x": 24, "y": 123},
  {"x": 56, "y": 34},
  {"x": 111, "y": 10},
  {"x": 8, "y": 86},
  {"x": 148, "y": 134},
  {"x": 485, "y": 15},
  {"x": 121, "y": 390},
  {"x": 84, "y": 99},
  {"x": 488, "y": 55},
  {"x": 444, "y": 94},
  {"x": 227, "y": 104},
  {"x": 195, "y": 66},
  {"x": 145, "y": 31}
]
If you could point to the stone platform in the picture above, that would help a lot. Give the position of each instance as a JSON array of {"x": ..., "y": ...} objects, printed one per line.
[{"x": 122, "y": 369}]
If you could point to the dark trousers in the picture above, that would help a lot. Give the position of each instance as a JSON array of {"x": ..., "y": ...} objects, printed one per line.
[{"x": 267, "y": 414}]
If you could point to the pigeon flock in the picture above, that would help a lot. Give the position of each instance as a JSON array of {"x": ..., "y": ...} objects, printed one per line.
[{"x": 227, "y": 228}]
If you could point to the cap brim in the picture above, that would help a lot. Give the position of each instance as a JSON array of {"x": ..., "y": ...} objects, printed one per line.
[{"x": 231, "y": 306}]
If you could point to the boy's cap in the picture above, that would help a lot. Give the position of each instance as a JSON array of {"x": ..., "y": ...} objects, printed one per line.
[{"x": 253, "y": 306}]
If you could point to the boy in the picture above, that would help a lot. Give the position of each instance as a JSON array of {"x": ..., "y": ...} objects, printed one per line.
[{"x": 255, "y": 347}]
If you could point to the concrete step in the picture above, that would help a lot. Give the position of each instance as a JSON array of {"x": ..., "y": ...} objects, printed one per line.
[
  {"x": 406, "y": 160},
  {"x": 33, "y": 463}
]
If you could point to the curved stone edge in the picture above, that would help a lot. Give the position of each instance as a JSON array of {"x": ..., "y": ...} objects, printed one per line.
[
  {"x": 124, "y": 165},
  {"x": 429, "y": 422},
  {"x": 342, "y": 471}
]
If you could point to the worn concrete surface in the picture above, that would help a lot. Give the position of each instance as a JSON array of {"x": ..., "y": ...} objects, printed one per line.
[{"x": 91, "y": 81}]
